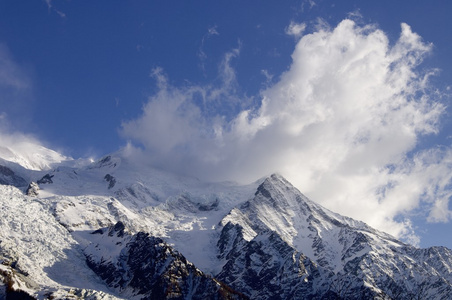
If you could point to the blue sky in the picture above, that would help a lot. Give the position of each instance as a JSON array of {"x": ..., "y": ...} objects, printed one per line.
[{"x": 235, "y": 90}]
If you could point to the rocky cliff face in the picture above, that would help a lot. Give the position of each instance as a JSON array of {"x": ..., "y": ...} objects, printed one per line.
[
  {"x": 142, "y": 266},
  {"x": 268, "y": 268}
]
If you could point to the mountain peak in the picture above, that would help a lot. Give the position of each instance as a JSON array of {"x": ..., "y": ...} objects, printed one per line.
[
  {"x": 277, "y": 178},
  {"x": 276, "y": 190}
]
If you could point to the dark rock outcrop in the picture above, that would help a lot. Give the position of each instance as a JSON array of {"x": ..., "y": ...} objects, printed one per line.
[
  {"x": 46, "y": 179},
  {"x": 111, "y": 180},
  {"x": 149, "y": 268}
]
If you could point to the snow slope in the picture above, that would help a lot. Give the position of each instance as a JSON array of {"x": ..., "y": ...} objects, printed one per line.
[
  {"x": 35, "y": 244},
  {"x": 30, "y": 155}
]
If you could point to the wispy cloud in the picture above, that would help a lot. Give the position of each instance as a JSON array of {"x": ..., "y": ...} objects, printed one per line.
[
  {"x": 309, "y": 3},
  {"x": 11, "y": 74},
  {"x": 176, "y": 117},
  {"x": 52, "y": 8},
  {"x": 342, "y": 124},
  {"x": 211, "y": 31},
  {"x": 15, "y": 89},
  {"x": 355, "y": 15},
  {"x": 26, "y": 150},
  {"x": 268, "y": 76},
  {"x": 296, "y": 29},
  {"x": 15, "y": 115}
]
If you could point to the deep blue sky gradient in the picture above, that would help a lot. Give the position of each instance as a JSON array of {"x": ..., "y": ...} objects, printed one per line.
[{"x": 90, "y": 70}]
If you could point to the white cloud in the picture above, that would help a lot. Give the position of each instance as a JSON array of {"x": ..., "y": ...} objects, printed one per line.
[
  {"x": 341, "y": 124},
  {"x": 295, "y": 29}
]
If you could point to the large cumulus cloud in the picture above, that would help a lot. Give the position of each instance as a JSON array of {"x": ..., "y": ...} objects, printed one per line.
[{"x": 343, "y": 124}]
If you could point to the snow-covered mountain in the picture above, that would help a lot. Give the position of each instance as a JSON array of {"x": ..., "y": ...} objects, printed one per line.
[
  {"x": 115, "y": 229},
  {"x": 30, "y": 155}
]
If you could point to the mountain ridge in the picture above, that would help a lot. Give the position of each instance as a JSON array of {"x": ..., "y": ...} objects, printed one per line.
[{"x": 265, "y": 240}]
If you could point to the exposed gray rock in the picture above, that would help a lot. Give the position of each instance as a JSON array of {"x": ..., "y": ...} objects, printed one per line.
[
  {"x": 149, "y": 268},
  {"x": 32, "y": 189}
]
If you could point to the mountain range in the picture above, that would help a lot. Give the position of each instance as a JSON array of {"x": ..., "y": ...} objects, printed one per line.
[{"x": 117, "y": 228}]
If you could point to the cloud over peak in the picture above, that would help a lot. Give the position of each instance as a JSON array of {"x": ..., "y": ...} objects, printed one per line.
[{"x": 342, "y": 124}]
